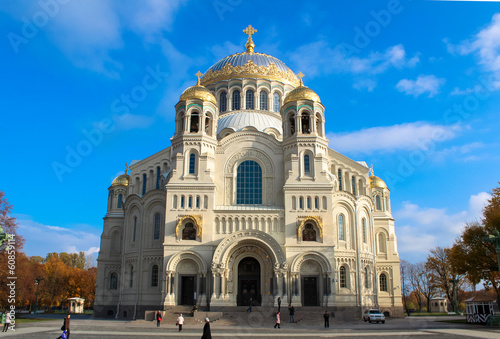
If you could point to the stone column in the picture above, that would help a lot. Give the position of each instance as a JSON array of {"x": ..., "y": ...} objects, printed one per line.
[
  {"x": 285, "y": 287},
  {"x": 215, "y": 280},
  {"x": 223, "y": 285}
]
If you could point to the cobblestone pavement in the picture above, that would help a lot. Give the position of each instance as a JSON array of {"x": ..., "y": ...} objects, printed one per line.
[{"x": 428, "y": 327}]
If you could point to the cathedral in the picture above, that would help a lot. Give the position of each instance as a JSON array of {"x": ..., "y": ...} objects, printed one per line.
[{"x": 246, "y": 205}]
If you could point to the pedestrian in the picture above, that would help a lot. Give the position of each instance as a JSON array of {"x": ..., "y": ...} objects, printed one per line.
[
  {"x": 65, "y": 327},
  {"x": 7, "y": 322},
  {"x": 279, "y": 304},
  {"x": 249, "y": 309},
  {"x": 327, "y": 319},
  {"x": 158, "y": 318},
  {"x": 180, "y": 321},
  {"x": 278, "y": 320},
  {"x": 206, "y": 330},
  {"x": 291, "y": 310}
]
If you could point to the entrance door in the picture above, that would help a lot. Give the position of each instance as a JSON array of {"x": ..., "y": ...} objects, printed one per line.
[
  {"x": 187, "y": 290},
  {"x": 249, "y": 282},
  {"x": 310, "y": 291}
]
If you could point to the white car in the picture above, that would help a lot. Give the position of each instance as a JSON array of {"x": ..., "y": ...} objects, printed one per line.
[{"x": 374, "y": 316}]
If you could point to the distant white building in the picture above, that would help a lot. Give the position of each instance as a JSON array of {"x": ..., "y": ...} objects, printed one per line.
[
  {"x": 439, "y": 304},
  {"x": 248, "y": 201}
]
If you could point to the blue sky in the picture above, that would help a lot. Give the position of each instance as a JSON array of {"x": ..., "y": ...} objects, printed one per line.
[{"x": 409, "y": 86}]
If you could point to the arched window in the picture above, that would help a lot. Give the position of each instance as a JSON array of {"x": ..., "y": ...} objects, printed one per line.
[
  {"x": 378, "y": 202},
  {"x": 144, "y": 182},
  {"x": 249, "y": 183},
  {"x": 263, "y": 100},
  {"x": 307, "y": 165},
  {"x": 154, "y": 276},
  {"x": 223, "y": 102},
  {"x": 309, "y": 205},
  {"x": 113, "y": 281},
  {"x": 197, "y": 201},
  {"x": 250, "y": 99},
  {"x": 156, "y": 233},
  {"x": 292, "y": 124},
  {"x": 135, "y": 229},
  {"x": 363, "y": 225},
  {"x": 308, "y": 233},
  {"x": 387, "y": 203},
  {"x": 195, "y": 123},
  {"x": 301, "y": 203},
  {"x": 340, "y": 179},
  {"x": 354, "y": 185},
  {"x": 294, "y": 203},
  {"x": 341, "y": 227},
  {"x": 367, "y": 278},
  {"x": 182, "y": 201},
  {"x": 190, "y": 202},
  {"x": 383, "y": 282},
  {"x": 276, "y": 102},
  {"x": 131, "y": 281},
  {"x": 192, "y": 163},
  {"x": 381, "y": 243},
  {"x": 158, "y": 174},
  {"x": 120, "y": 201},
  {"x": 316, "y": 203},
  {"x": 236, "y": 100},
  {"x": 306, "y": 126},
  {"x": 319, "y": 125},
  {"x": 343, "y": 277},
  {"x": 189, "y": 232}
]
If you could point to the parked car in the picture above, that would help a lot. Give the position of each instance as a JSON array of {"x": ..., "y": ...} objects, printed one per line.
[{"x": 374, "y": 316}]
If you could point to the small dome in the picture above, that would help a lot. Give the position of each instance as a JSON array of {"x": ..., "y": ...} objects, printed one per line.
[
  {"x": 240, "y": 120},
  {"x": 376, "y": 182},
  {"x": 302, "y": 93},
  {"x": 198, "y": 92},
  {"x": 121, "y": 180}
]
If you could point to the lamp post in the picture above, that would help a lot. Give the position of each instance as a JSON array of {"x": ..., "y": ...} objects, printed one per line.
[
  {"x": 495, "y": 240},
  {"x": 455, "y": 281},
  {"x": 37, "y": 283}
]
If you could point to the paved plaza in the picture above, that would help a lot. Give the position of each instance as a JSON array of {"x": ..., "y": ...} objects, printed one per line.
[{"x": 413, "y": 327}]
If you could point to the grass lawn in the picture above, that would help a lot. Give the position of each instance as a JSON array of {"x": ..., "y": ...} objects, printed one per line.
[
  {"x": 456, "y": 321},
  {"x": 428, "y": 314}
]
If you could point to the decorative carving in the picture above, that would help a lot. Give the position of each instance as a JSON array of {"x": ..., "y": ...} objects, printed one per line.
[
  {"x": 249, "y": 153},
  {"x": 271, "y": 72}
]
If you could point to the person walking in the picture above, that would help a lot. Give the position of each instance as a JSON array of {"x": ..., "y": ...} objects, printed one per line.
[
  {"x": 7, "y": 322},
  {"x": 65, "y": 326},
  {"x": 279, "y": 304},
  {"x": 180, "y": 322},
  {"x": 158, "y": 318},
  {"x": 278, "y": 320},
  {"x": 249, "y": 309},
  {"x": 291, "y": 310},
  {"x": 206, "y": 330},
  {"x": 326, "y": 316}
]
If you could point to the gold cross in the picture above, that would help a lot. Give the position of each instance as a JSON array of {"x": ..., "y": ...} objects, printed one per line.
[
  {"x": 250, "y": 31},
  {"x": 300, "y": 75},
  {"x": 126, "y": 167},
  {"x": 199, "y": 74}
]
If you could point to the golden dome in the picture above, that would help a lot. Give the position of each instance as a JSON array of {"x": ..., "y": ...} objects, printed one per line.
[
  {"x": 198, "y": 92},
  {"x": 302, "y": 93},
  {"x": 375, "y": 182},
  {"x": 121, "y": 180}
]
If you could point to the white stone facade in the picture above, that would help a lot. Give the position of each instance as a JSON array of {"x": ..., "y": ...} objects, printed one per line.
[{"x": 178, "y": 231}]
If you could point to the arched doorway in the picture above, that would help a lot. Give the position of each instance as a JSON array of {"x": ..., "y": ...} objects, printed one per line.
[{"x": 249, "y": 282}]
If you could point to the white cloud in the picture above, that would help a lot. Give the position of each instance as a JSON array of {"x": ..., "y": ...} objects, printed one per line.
[
  {"x": 419, "y": 229},
  {"x": 424, "y": 84},
  {"x": 407, "y": 136},
  {"x": 467, "y": 91},
  {"x": 42, "y": 239},
  {"x": 319, "y": 58},
  {"x": 87, "y": 32},
  {"x": 367, "y": 84},
  {"x": 486, "y": 45}
]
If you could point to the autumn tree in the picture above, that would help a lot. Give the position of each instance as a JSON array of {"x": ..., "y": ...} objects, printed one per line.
[
  {"x": 8, "y": 223},
  {"x": 442, "y": 272},
  {"x": 472, "y": 256}
]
